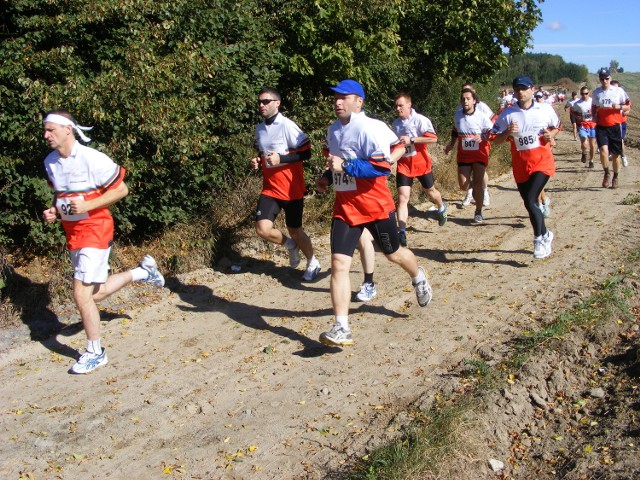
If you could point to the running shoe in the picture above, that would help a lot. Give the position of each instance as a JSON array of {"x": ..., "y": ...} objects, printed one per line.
[
  {"x": 547, "y": 238},
  {"x": 403, "y": 238},
  {"x": 468, "y": 198},
  {"x": 294, "y": 257},
  {"x": 89, "y": 361},
  {"x": 442, "y": 216},
  {"x": 614, "y": 182},
  {"x": 423, "y": 290},
  {"x": 605, "y": 180},
  {"x": 590, "y": 164},
  {"x": 583, "y": 158},
  {"x": 337, "y": 336},
  {"x": 546, "y": 208},
  {"x": 312, "y": 271},
  {"x": 367, "y": 292},
  {"x": 155, "y": 278},
  {"x": 486, "y": 201},
  {"x": 539, "y": 248},
  {"x": 625, "y": 162},
  {"x": 477, "y": 219}
]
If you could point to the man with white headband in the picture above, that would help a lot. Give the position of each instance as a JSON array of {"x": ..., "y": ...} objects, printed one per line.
[{"x": 85, "y": 183}]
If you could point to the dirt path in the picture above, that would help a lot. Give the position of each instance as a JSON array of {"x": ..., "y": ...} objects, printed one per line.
[{"x": 223, "y": 376}]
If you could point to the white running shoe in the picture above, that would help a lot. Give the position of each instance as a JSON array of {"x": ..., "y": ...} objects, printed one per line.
[
  {"x": 423, "y": 290},
  {"x": 625, "y": 162},
  {"x": 547, "y": 238},
  {"x": 294, "y": 257},
  {"x": 487, "y": 201},
  {"x": 367, "y": 292},
  {"x": 89, "y": 361},
  {"x": 312, "y": 271},
  {"x": 155, "y": 277},
  {"x": 477, "y": 219},
  {"x": 337, "y": 336},
  {"x": 468, "y": 198}
]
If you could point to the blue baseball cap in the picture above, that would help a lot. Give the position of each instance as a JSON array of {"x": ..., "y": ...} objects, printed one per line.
[
  {"x": 523, "y": 80},
  {"x": 604, "y": 72},
  {"x": 349, "y": 87}
]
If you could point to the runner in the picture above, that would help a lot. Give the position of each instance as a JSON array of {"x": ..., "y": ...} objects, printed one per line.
[
  {"x": 609, "y": 106},
  {"x": 415, "y": 132},
  {"x": 283, "y": 148},
  {"x": 623, "y": 126},
  {"x": 486, "y": 110},
  {"x": 569, "y": 106},
  {"x": 581, "y": 109},
  {"x": 359, "y": 155},
  {"x": 470, "y": 132},
  {"x": 86, "y": 183},
  {"x": 530, "y": 127}
]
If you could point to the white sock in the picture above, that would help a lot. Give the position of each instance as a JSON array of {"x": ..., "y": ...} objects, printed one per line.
[
  {"x": 419, "y": 278},
  {"x": 312, "y": 262},
  {"x": 94, "y": 346},
  {"x": 537, "y": 239},
  {"x": 343, "y": 321},
  {"x": 138, "y": 274},
  {"x": 290, "y": 243}
]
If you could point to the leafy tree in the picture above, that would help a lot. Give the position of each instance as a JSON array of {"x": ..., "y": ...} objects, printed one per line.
[
  {"x": 542, "y": 68},
  {"x": 170, "y": 85},
  {"x": 614, "y": 65}
]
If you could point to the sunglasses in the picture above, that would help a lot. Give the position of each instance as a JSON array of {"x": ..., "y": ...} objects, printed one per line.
[
  {"x": 266, "y": 101},
  {"x": 605, "y": 78},
  {"x": 584, "y": 93}
]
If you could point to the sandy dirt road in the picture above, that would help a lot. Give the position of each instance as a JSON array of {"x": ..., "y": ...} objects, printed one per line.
[{"x": 221, "y": 375}]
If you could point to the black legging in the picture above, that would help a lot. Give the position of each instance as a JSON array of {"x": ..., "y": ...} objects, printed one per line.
[{"x": 530, "y": 191}]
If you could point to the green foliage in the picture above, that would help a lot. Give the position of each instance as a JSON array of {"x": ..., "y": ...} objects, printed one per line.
[
  {"x": 170, "y": 86},
  {"x": 543, "y": 68},
  {"x": 450, "y": 39}
]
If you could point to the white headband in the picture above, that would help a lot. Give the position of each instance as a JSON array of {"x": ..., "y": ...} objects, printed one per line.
[{"x": 62, "y": 120}]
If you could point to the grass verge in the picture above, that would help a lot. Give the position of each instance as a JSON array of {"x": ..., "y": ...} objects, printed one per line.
[{"x": 436, "y": 435}]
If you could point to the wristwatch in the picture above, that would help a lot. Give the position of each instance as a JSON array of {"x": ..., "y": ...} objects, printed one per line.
[
  {"x": 412, "y": 139},
  {"x": 345, "y": 164}
]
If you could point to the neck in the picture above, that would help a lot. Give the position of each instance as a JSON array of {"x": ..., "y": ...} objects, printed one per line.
[
  {"x": 65, "y": 150},
  {"x": 524, "y": 104},
  {"x": 271, "y": 119}
]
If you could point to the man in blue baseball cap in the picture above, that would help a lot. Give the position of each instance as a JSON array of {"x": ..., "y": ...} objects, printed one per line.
[
  {"x": 359, "y": 152},
  {"x": 530, "y": 127}
]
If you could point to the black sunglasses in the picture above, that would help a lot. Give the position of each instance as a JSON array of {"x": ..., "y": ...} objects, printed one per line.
[
  {"x": 584, "y": 93},
  {"x": 266, "y": 101}
]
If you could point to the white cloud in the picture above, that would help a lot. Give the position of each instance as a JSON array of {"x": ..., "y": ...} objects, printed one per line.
[{"x": 555, "y": 26}]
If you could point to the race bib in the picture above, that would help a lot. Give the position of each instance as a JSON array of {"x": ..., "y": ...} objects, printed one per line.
[
  {"x": 469, "y": 144},
  {"x": 343, "y": 182},
  {"x": 63, "y": 205},
  {"x": 526, "y": 140},
  {"x": 409, "y": 150}
]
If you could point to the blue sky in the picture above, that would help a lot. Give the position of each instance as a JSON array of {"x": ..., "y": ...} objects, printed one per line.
[{"x": 590, "y": 32}]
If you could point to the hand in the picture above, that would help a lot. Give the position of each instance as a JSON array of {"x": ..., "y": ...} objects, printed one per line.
[
  {"x": 334, "y": 163},
  {"x": 448, "y": 148},
  {"x": 322, "y": 183},
  {"x": 255, "y": 163},
  {"x": 513, "y": 127},
  {"x": 77, "y": 205},
  {"x": 50, "y": 215},
  {"x": 272, "y": 158},
  {"x": 405, "y": 139}
]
